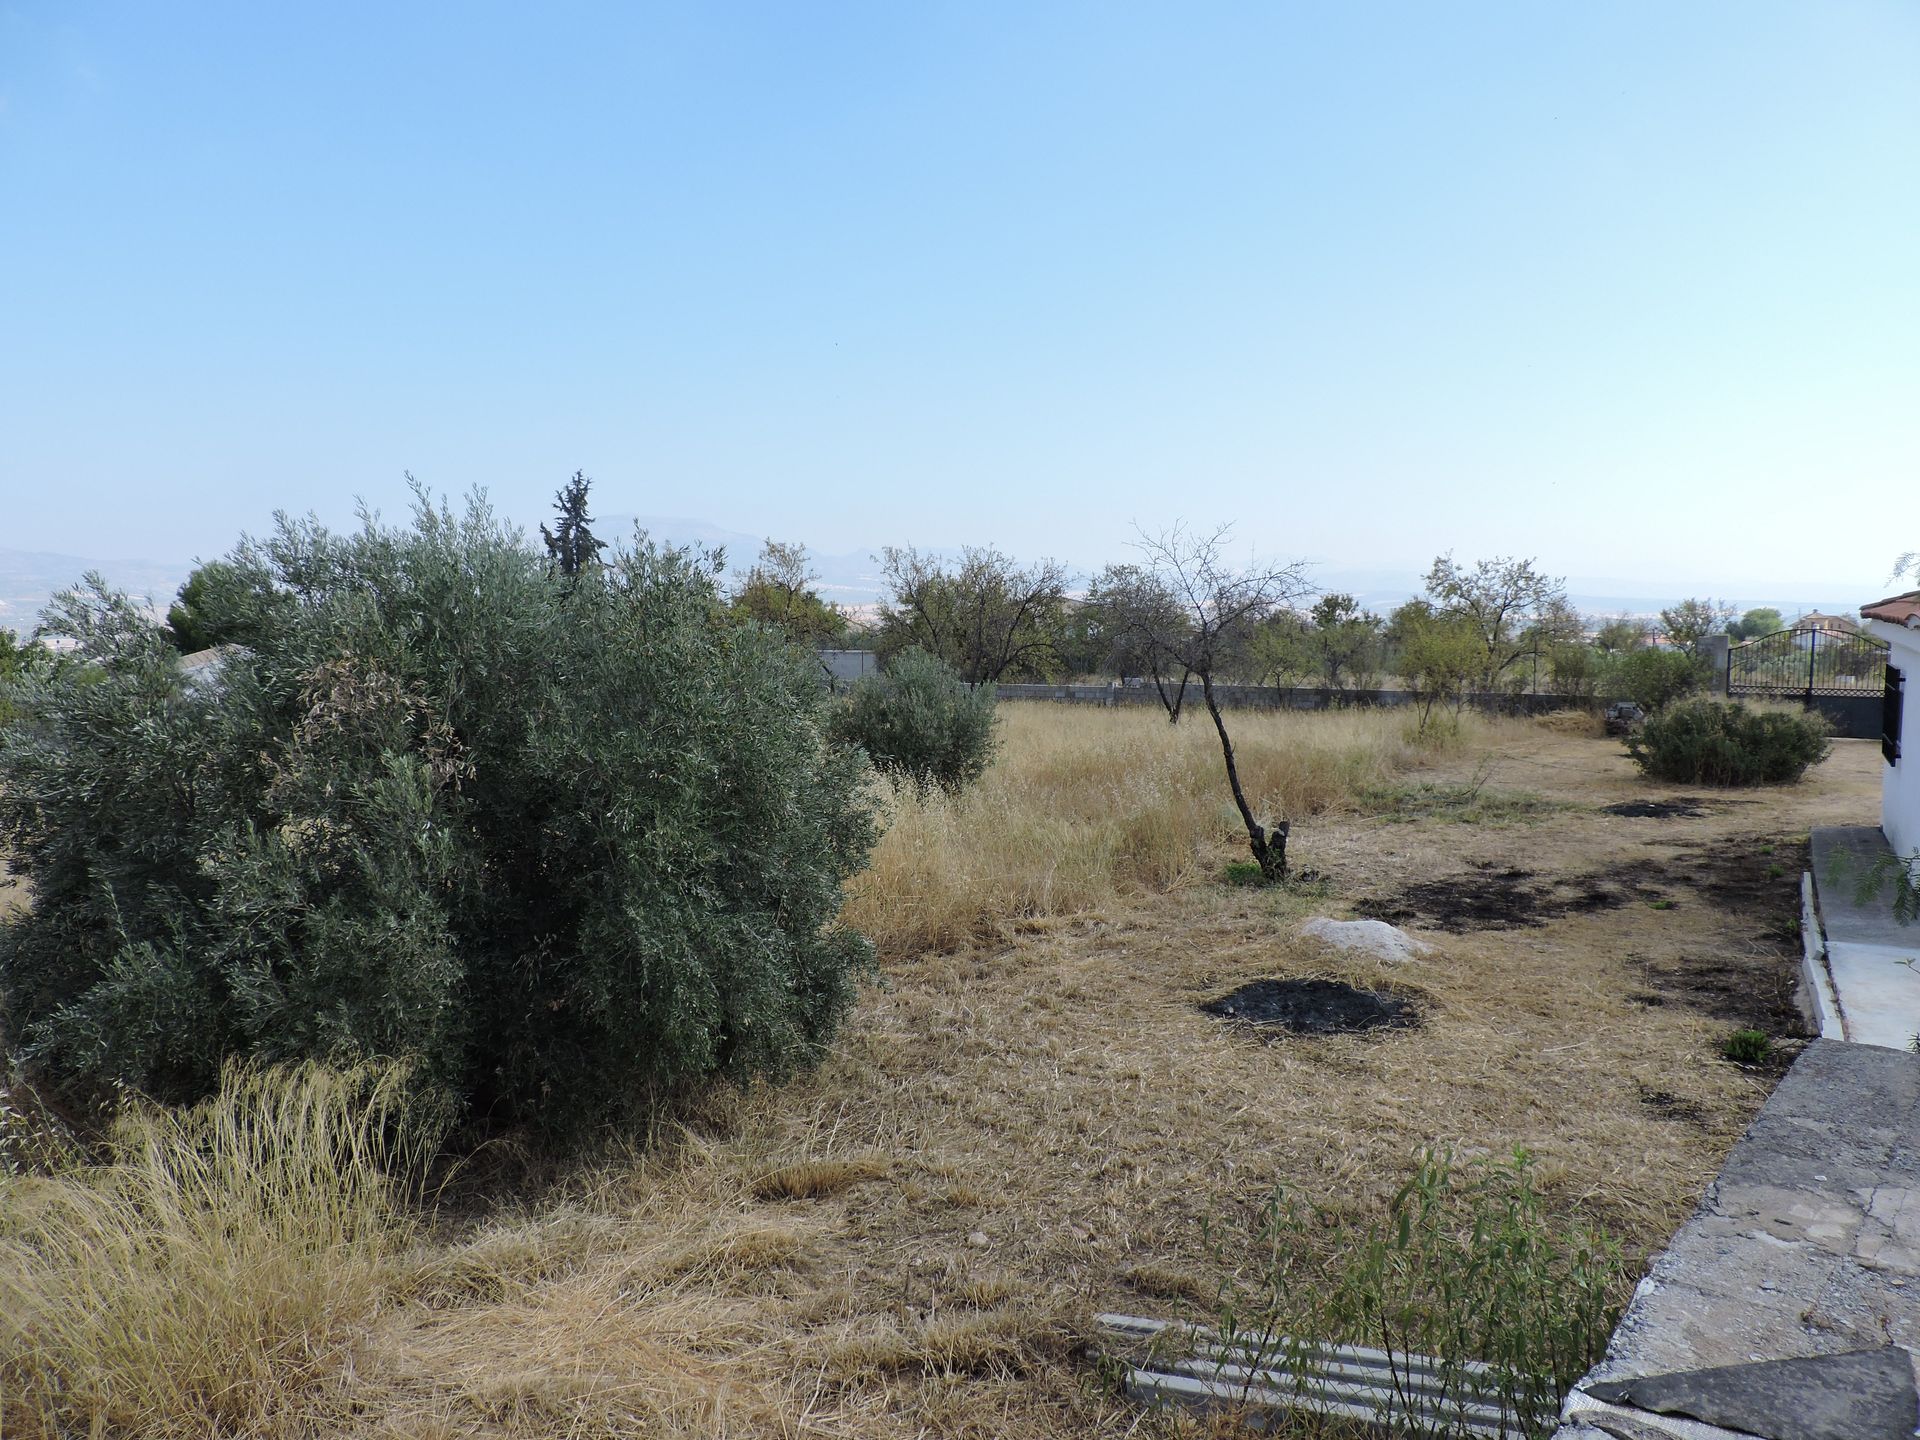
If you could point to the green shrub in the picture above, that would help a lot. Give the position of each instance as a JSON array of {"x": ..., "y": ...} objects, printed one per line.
[
  {"x": 1463, "y": 1268},
  {"x": 562, "y": 845},
  {"x": 1652, "y": 679},
  {"x": 919, "y": 719},
  {"x": 1709, "y": 742},
  {"x": 1747, "y": 1047}
]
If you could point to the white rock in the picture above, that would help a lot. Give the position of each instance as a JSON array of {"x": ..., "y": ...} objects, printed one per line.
[{"x": 1372, "y": 937}]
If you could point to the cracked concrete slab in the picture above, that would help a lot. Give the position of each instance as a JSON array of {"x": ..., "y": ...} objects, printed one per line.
[{"x": 1805, "y": 1248}]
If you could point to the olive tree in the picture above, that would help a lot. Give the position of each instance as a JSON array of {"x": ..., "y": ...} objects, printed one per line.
[{"x": 563, "y": 843}]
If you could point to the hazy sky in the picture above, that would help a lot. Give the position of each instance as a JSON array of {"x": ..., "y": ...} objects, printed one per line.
[{"x": 1632, "y": 288}]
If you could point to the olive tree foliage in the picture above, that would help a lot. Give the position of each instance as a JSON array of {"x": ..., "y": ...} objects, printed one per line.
[
  {"x": 919, "y": 720},
  {"x": 778, "y": 592},
  {"x": 1220, "y": 606},
  {"x": 1146, "y": 631},
  {"x": 988, "y": 617},
  {"x": 1501, "y": 601},
  {"x": 563, "y": 844}
]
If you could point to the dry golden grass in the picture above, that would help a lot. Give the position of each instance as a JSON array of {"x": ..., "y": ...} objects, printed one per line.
[
  {"x": 214, "y": 1274},
  {"x": 1034, "y": 1122},
  {"x": 1083, "y": 806}
]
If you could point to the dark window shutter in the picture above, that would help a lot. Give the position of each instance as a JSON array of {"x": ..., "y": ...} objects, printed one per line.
[{"x": 1890, "y": 707}]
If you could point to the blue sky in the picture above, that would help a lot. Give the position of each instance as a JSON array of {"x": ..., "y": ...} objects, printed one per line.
[{"x": 1633, "y": 288}]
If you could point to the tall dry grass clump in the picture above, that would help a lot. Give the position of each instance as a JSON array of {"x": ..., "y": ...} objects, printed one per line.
[
  {"x": 210, "y": 1276},
  {"x": 1083, "y": 805}
]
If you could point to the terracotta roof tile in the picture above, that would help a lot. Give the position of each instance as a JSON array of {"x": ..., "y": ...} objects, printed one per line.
[{"x": 1895, "y": 609}]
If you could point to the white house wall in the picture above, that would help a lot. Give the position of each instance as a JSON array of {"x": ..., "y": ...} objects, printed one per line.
[{"x": 1900, "y": 784}]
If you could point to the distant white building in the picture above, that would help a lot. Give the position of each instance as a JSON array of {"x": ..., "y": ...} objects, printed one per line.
[{"x": 1896, "y": 620}]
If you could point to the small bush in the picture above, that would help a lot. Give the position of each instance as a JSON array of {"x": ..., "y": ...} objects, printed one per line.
[
  {"x": 1463, "y": 1267},
  {"x": 920, "y": 720},
  {"x": 1710, "y": 742},
  {"x": 1747, "y": 1047}
]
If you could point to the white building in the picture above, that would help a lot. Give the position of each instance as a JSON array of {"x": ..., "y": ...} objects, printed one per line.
[{"x": 1896, "y": 620}]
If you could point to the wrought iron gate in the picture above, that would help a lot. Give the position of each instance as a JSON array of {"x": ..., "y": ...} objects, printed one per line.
[{"x": 1801, "y": 664}]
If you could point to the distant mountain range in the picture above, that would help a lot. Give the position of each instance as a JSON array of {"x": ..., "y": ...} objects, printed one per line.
[{"x": 29, "y": 578}]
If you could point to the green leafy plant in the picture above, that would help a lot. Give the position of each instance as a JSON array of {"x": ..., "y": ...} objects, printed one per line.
[
  {"x": 1652, "y": 679},
  {"x": 1747, "y": 1047},
  {"x": 918, "y": 719},
  {"x": 1709, "y": 742},
  {"x": 563, "y": 843},
  {"x": 1463, "y": 1267}
]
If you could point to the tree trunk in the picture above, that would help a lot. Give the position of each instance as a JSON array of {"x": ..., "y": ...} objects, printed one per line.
[
  {"x": 1172, "y": 706},
  {"x": 1269, "y": 848}
]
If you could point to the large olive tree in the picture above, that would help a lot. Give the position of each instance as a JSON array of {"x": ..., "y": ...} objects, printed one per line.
[{"x": 563, "y": 841}]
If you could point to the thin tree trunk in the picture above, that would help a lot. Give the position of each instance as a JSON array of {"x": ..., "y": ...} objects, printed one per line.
[
  {"x": 1269, "y": 851},
  {"x": 1172, "y": 707}
]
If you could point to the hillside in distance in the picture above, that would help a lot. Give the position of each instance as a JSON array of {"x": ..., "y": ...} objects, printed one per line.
[{"x": 854, "y": 579}]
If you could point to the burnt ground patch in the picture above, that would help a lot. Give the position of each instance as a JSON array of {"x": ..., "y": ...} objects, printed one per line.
[
  {"x": 1679, "y": 808},
  {"x": 1746, "y": 988},
  {"x": 1313, "y": 1007},
  {"x": 1669, "y": 1106},
  {"x": 1753, "y": 877},
  {"x": 1505, "y": 897}
]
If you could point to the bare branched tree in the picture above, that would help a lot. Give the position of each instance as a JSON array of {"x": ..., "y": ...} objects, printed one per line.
[
  {"x": 1220, "y": 606},
  {"x": 987, "y": 617}
]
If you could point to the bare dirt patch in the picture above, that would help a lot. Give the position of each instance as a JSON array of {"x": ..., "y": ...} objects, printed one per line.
[{"x": 1313, "y": 1007}]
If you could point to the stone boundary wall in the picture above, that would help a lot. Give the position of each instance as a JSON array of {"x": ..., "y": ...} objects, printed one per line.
[
  {"x": 1852, "y": 717},
  {"x": 1279, "y": 697}
]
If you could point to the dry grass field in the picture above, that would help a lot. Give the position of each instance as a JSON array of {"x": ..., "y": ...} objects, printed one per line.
[{"x": 1028, "y": 1119}]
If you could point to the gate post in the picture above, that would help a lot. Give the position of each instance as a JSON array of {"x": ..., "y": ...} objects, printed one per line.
[{"x": 1718, "y": 649}]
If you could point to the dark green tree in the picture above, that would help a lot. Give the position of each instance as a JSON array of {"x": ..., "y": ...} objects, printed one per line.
[
  {"x": 566, "y": 849},
  {"x": 224, "y": 602},
  {"x": 1145, "y": 632},
  {"x": 572, "y": 545},
  {"x": 1763, "y": 620}
]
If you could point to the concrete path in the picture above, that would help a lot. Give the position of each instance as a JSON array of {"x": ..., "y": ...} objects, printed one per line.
[
  {"x": 1872, "y": 961},
  {"x": 1806, "y": 1249}
]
